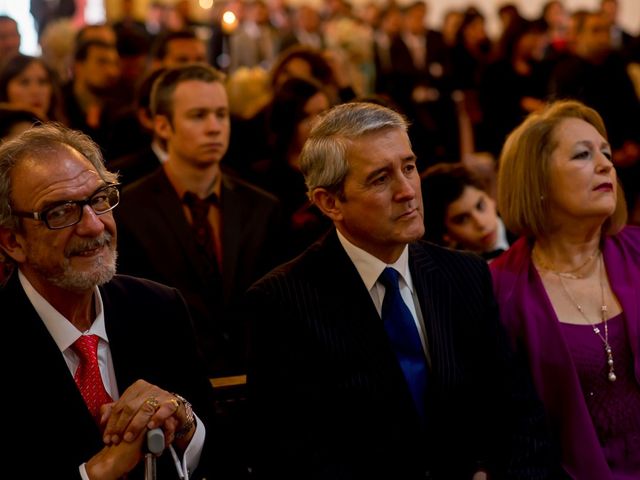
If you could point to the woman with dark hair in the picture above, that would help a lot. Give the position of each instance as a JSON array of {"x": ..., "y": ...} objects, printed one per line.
[
  {"x": 28, "y": 83},
  {"x": 469, "y": 58},
  {"x": 307, "y": 62},
  {"x": 471, "y": 51},
  {"x": 294, "y": 110},
  {"x": 515, "y": 83}
]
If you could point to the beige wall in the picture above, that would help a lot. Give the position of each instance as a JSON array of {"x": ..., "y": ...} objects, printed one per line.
[{"x": 629, "y": 9}]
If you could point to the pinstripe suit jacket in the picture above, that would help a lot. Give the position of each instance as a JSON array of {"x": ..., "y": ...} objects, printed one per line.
[{"x": 328, "y": 396}]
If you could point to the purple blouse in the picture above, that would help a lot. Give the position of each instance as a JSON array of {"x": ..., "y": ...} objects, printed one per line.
[
  {"x": 530, "y": 320},
  {"x": 614, "y": 406}
]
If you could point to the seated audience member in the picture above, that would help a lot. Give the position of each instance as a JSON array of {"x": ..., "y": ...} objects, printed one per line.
[
  {"x": 27, "y": 83},
  {"x": 193, "y": 226},
  {"x": 295, "y": 108},
  {"x": 374, "y": 354},
  {"x": 306, "y": 62},
  {"x": 105, "y": 350},
  {"x": 568, "y": 290},
  {"x": 298, "y": 61},
  {"x": 57, "y": 42},
  {"x": 597, "y": 76},
  {"x": 91, "y": 97},
  {"x": 175, "y": 48},
  {"x": 9, "y": 38},
  {"x": 459, "y": 213},
  {"x": 514, "y": 83}
]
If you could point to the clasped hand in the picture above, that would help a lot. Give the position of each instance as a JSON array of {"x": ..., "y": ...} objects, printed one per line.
[{"x": 141, "y": 407}]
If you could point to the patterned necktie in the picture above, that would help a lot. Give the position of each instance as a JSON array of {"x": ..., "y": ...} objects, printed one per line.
[
  {"x": 404, "y": 337},
  {"x": 199, "y": 208},
  {"x": 87, "y": 375}
]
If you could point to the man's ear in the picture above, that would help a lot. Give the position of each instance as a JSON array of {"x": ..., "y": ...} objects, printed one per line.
[
  {"x": 11, "y": 245},
  {"x": 328, "y": 203},
  {"x": 162, "y": 126}
]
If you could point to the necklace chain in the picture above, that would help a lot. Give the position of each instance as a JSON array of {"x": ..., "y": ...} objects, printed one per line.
[
  {"x": 572, "y": 274},
  {"x": 603, "y": 315}
]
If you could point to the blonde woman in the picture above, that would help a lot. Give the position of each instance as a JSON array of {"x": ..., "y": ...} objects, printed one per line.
[{"x": 569, "y": 290}]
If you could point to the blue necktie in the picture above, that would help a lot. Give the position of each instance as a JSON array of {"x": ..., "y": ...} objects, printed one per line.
[{"x": 404, "y": 337}]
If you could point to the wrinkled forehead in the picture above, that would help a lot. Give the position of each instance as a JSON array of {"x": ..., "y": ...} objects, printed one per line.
[{"x": 54, "y": 172}]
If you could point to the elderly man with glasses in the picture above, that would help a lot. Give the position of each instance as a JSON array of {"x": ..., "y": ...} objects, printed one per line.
[{"x": 97, "y": 359}]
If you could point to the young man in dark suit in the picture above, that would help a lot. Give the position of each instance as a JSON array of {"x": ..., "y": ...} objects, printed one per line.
[
  {"x": 212, "y": 259},
  {"x": 58, "y": 232},
  {"x": 347, "y": 380}
]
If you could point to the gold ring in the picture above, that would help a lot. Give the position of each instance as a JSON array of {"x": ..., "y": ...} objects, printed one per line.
[
  {"x": 175, "y": 402},
  {"x": 152, "y": 403}
]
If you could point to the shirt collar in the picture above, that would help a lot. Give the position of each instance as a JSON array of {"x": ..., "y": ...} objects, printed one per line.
[
  {"x": 370, "y": 267},
  {"x": 178, "y": 184},
  {"x": 64, "y": 333},
  {"x": 160, "y": 152},
  {"x": 501, "y": 237}
]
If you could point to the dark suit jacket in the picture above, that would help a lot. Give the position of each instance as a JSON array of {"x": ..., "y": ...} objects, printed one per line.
[
  {"x": 155, "y": 241},
  {"x": 136, "y": 165},
  {"x": 329, "y": 399},
  {"x": 150, "y": 337}
]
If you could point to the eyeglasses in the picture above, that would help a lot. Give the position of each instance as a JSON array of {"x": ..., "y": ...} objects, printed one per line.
[{"x": 68, "y": 213}]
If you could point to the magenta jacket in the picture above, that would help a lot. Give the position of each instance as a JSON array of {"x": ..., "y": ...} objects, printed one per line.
[{"x": 531, "y": 322}]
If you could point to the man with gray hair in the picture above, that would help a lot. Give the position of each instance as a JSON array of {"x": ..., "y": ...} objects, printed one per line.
[
  {"x": 377, "y": 355},
  {"x": 91, "y": 369}
]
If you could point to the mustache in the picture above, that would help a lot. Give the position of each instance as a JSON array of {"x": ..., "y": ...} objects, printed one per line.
[{"x": 80, "y": 246}]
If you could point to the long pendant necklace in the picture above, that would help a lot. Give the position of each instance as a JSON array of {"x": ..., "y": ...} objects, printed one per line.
[{"x": 603, "y": 315}]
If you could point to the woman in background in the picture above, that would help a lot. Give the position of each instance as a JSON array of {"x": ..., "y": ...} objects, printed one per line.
[
  {"x": 294, "y": 110},
  {"x": 27, "y": 83},
  {"x": 569, "y": 289}
]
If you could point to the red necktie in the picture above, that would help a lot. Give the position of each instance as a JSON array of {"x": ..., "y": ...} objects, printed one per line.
[
  {"x": 87, "y": 375},
  {"x": 199, "y": 208}
]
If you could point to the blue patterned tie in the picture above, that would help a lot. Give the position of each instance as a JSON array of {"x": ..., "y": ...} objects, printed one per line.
[{"x": 404, "y": 337}]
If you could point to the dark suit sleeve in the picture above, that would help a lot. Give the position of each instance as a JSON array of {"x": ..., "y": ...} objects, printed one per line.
[
  {"x": 290, "y": 415},
  {"x": 525, "y": 434},
  {"x": 151, "y": 338},
  {"x": 484, "y": 405}
]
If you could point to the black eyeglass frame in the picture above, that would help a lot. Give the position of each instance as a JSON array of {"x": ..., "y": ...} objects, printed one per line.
[{"x": 42, "y": 214}]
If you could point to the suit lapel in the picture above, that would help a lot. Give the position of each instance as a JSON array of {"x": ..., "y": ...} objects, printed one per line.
[
  {"x": 232, "y": 207},
  {"x": 355, "y": 315},
  {"x": 435, "y": 298},
  {"x": 45, "y": 370}
]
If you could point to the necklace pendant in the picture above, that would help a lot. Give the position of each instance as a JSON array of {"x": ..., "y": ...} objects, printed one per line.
[
  {"x": 612, "y": 377},
  {"x": 596, "y": 330}
]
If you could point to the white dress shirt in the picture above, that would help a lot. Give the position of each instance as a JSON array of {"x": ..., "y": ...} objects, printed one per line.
[
  {"x": 64, "y": 333},
  {"x": 370, "y": 268}
]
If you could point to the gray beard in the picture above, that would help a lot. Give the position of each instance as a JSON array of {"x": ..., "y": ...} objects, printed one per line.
[
  {"x": 79, "y": 282},
  {"x": 66, "y": 278}
]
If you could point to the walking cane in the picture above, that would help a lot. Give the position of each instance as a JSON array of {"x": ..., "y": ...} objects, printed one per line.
[{"x": 155, "y": 446}]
